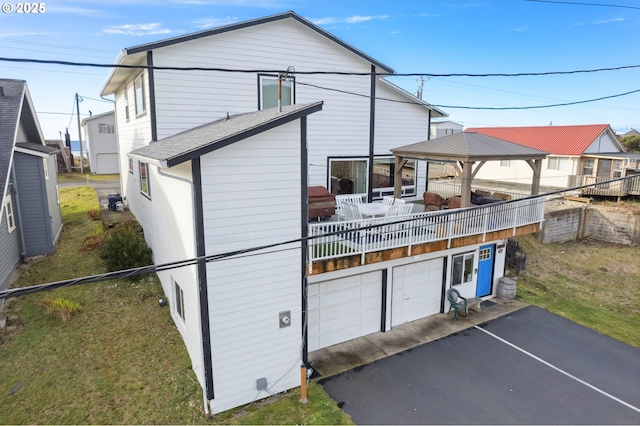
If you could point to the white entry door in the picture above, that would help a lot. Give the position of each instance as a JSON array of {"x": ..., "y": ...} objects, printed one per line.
[
  {"x": 464, "y": 272},
  {"x": 417, "y": 291},
  {"x": 344, "y": 309}
]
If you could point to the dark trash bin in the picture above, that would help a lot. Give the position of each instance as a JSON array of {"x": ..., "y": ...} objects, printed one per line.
[{"x": 112, "y": 200}]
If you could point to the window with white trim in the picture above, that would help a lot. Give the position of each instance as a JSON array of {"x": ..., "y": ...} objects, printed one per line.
[
  {"x": 179, "y": 300},
  {"x": 505, "y": 163},
  {"x": 106, "y": 128},
  {"x": 587, "y": 166},
  {"x": 618, "y": 168},
  {"x": 351, "y": 176},
  {"x": 45, "y": 167},
  {"x": 8, "y": 210},
  {"x": 139, "y": 92},
  {"x": 126, "y": 104},
  {"x": 462, "y": 269},
  {"x": 131, "y": 165},
  {"x": 558, "y": 163},
  {"x": 268, "y": 91},
  {"x": 143, "y": 168}
]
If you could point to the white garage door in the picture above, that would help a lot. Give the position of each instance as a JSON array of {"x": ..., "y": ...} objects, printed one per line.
[
  {"x": 417, "y": 291},
  {"x": 107, "y": 163},
  {"x": 343, "y": 309}
]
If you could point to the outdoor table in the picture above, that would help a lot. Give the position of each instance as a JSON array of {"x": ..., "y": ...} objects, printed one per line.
[{"x": 373, "y": 209}]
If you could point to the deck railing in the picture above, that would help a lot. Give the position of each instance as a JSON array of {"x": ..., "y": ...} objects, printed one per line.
[
  {"x": 448, "y": 189},
  {"x": 329, "y": 240}
]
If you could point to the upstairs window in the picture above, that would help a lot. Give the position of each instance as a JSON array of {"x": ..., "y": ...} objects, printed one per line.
[
  {"x": 8, "y": 210},
  {"x": 126, "y": 104},
  {"x": 139, "y": 92},
  {"x": 179, "y": 298},
  {"x": 268, "y": 91},
  {"x": 106, "y": 128}
]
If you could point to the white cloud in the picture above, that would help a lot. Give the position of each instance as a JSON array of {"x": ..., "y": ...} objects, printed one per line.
[
  {"x": 214, "y": 22},
  {"x": 137, "y": 29},
  {"x": 357, "y": 19},
  {"x": 91, "y": 13},
  {"x": 521, "y": 29},
  {"x": 608, "y": 21}
]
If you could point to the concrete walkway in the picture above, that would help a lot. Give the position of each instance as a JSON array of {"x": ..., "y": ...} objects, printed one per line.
[{"x": 338, "y": 358}]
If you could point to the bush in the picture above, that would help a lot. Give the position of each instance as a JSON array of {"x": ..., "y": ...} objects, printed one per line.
[
  {"x": 126, "y": 248},
  {"x": 65, "y": 308}
]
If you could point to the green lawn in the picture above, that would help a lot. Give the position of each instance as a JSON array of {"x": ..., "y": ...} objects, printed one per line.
[
  {"x": 121, "y": 360},
  {"x": 76, "y": 176}
]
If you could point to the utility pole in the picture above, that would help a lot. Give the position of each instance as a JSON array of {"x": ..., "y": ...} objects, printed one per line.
[
  {"x": 78, "y": 100},
  {"x": 420, "y": 85}
]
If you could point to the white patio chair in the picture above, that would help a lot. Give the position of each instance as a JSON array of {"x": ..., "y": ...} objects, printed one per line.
[
  {"x": 351, "y": 211},
  {"x": 399, "y": 202},
  {"x": 388, "y": 201},
  {"x": 405, "y": 209},
  {"x": 346, "y": 198},
  {"x": 393, "y": 211}
]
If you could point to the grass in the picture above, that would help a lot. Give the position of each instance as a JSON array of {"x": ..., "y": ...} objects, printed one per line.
[
  {"x": 591, "y": 283},
  {"x": 76, "y": 176},
  {"x": 119, "y": 359}
]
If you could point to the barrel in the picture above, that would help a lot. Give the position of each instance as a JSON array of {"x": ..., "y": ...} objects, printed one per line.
[{"x": 506, "y": 290}]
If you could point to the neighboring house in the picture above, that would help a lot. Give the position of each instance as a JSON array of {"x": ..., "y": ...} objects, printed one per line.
[
  {"x": 30, "y": 219},
  {"x": 211, "y": 167},
  {"x": 444, "y": 128},
  {"x": 102, "y": 144},
  {"x": 579, "y": 155}
]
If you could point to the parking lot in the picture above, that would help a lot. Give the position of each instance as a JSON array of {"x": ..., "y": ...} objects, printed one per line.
[{"x": 529, "y": 367}]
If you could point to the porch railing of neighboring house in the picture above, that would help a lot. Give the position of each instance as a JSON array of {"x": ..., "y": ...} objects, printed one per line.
[
  {"x": 330, "y": 240},
  {"x": 447, "y": 189}
]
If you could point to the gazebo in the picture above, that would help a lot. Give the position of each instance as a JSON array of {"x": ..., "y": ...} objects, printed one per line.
[{"x": 465, "y": 150}]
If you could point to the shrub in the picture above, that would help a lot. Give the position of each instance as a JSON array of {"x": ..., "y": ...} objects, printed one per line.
[
  {"x": 65, "y": 308},
  {"x": 126, "y": 248}
]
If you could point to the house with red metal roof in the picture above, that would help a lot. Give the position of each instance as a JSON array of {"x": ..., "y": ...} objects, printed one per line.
[{"x": 578, "y": 155}]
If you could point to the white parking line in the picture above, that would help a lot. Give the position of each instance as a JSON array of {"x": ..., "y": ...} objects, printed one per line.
[{"x": 558, "y": 369}]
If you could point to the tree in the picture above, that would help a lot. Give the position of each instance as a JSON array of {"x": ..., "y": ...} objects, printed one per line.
[{"x": 631, "y": 143}]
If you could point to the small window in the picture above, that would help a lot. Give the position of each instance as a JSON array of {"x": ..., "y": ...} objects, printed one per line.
[
  {"x": 618, "y": 168},
  {"x": 144, "y": 179},
  {"x": 126, "y": 104},
  {"x": 557, "y": 163},
  {"x": 45, "y": 167},
  {"x": 131, "y": 165},
  {"x": 587, "y": 167},
  {"x": 141, "y": 104},
  {"x": 179, "y": 297},
  {"x": 484, "y": 254},
  {"x": 269, "y": 91},
  {"x": 106, "y": 128},
  {"x": 462, "y": 269},
  {"x": 505, "y": 163},
  {"x": 8, "y": 208}
]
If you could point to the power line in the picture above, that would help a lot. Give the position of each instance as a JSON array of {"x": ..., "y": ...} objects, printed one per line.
[
  {"x": 254, "y": 71},
  {"x": 470, "y": 107},
  {"x": 585, "y": 4}
]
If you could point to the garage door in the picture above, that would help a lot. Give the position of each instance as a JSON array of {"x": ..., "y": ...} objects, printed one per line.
[
  {"x": 417, "y": 291},
  {"x": 107, "y": 163},
  {"x": 343, "y": 309}
]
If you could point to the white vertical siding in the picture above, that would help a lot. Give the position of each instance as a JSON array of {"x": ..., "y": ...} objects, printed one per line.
[
  {"x": 251, "y": 196},
  {"x": 520, "y": 172},
  {"x": 603, "y": 143},
  {"x": 99, "y": 144}
]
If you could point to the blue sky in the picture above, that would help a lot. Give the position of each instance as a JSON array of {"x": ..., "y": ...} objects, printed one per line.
[{"x": 459, "y": 36}]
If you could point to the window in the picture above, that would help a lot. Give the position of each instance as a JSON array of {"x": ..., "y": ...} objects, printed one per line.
[
  {"x": 179, "y": 298},
  {"x": 462, "y": 269},
  {"x": 126, "y": 104},
  {"x": 350, "y": 176},
  {"x": 45, "y": 167},
  {"x": 144, "y": 179},
  {"x": 131, "y": 165},
  {"x": 8, "y": 208},
  {"x": 484, "y": 254},
  {"x": 557, "y": 163},
  {"x": 587, "y": 167},
  {"x": 138, "y": 88},
  {"x": 268, "y": 87},
  {"x": 505, "y": 163},
  {"x": 106, "y": 128},
  {"x": 617, "y": 168}
]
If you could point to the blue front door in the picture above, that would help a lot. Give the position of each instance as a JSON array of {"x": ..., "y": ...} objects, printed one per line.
[{"x": 485, "y": 270}]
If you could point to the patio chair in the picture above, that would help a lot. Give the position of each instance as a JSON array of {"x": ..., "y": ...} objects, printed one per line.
[
  {"x": 405, "y": 209},
  {"x": 388, "y": 201},
  {"x": 346, "y": 198},
  {"x": 351, "y": 211},
  {"x": 398, "y": 202},
  {"x": 456, "y": 302}
]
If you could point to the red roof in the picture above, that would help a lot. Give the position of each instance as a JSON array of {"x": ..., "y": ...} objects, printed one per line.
[{"x": 559, "y": 140}]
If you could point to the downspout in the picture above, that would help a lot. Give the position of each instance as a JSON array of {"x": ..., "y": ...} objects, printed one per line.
[
  {"x": 18, "y": 213},
  {"x": 304, "y": 233},
  {"x": 372, "y": 125},
  {"x": 152, "y": 97},
  {"x": 426, "y": 181}
]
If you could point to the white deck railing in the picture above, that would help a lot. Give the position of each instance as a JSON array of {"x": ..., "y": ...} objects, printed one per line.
[
  {"x": 449, "y": 189},
  {"x": 329, "y": 240}
]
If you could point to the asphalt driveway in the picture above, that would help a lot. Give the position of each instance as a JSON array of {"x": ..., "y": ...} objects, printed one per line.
[{"x": 530, "y": 367}]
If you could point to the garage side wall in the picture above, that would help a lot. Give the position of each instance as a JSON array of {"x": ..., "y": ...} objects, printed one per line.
[{"x": 251, "y": 197}]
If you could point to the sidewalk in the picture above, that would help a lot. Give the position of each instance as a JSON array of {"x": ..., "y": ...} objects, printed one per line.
[{"x": 364, "y": 350}]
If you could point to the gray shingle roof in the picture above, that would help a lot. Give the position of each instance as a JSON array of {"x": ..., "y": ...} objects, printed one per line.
[
  {"x": 468, "y": 146},
  {"x": 14, "y": 91},
  {"x": 38, "y": 148},
  {"x": 200, "y": 140}
]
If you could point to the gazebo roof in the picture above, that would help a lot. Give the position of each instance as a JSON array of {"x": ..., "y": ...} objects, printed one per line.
[{"x": 468, "y": 146}]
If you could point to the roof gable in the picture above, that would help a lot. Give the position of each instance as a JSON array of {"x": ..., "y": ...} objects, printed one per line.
[
  {"x": 219, "y": 30},
  {"x": 203, "y": 139},
  {"x": 559, "y": 140}
]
